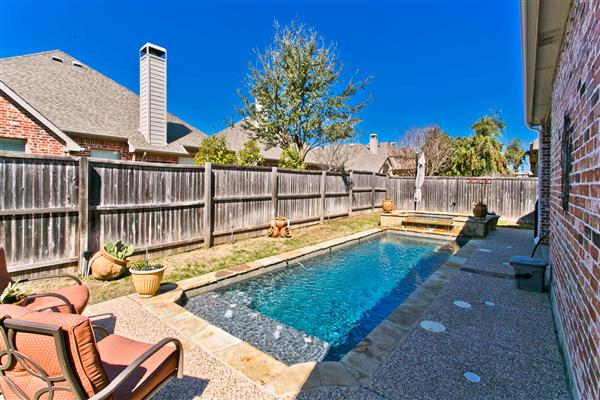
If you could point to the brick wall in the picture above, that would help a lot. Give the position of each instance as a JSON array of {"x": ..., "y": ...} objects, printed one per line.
[
  {"x": 98, "y": 144},
  {"x": 575, "y": 231},
  {"x": 17, "y": 123}
]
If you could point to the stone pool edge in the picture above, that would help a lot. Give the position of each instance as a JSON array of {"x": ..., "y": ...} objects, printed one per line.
[{"x": 273, "y": 375}]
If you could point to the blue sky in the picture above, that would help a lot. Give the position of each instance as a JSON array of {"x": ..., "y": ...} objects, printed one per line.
[{"x": 432, "y": 62}]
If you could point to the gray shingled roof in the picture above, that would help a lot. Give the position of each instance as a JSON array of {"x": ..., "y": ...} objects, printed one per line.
[
  {"x": 360, "y": 157},
  {"x": 80, "y": 100}
]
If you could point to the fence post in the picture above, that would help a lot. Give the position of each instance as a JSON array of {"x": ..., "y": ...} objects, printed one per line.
[
  {"x": 82, "y": 218},
  {"x": 323, "y": 191},
  {"x": 350, "y": 193},
  {"x": 274, "y": 192},
  {"x": 208, "y": 205},
  {"x": 373, "y": 180}
]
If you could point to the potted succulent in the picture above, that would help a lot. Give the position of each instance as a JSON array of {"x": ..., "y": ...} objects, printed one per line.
[
  {"x": 13, "y": 294},
  {"x": 111, "y": 261},
  {"x": 388, "y": 206},
  {"x": 146, "y": 277}
]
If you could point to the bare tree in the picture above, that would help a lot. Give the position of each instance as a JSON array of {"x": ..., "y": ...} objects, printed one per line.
[
  {"x": 334, "y": 157},
  {"x": 434, "y": 142}
]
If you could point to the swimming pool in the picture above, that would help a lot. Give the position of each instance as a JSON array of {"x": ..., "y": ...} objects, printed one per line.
[{"x": 322, "y": 308}]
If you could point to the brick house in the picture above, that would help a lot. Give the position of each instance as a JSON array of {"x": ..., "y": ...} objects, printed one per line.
[
  {"x": 561, "y": 65},
  {"x": 380, "y": 157},
  {"x": 51, "y": 103}
]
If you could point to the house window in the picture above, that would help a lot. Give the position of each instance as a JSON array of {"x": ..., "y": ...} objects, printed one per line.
[
  {"x": 186, "y": 160},
  {"x": 10, "y": 144},
  {"x": 106, "y": 154},
  {"x": 566, "y": 160}
]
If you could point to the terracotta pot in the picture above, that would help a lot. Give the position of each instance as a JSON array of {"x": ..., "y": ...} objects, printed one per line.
[
  {"x": 479, "y": 210},
  {"x": 280, "y": 222},
  {"x": 146, "y": 283},
  {"x": 388, "y": 206},
  {"x": 105, "y": 267}
]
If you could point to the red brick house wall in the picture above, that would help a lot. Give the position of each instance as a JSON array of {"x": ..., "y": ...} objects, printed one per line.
[
  {"x": 100, "y": 144},
  {"x": 17, "y": 123},
  {"x": 575, "y": 227}
]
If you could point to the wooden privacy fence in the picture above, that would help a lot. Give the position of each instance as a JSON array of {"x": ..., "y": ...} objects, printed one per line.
[
  {"x": 55, "y": 209},
  {"x": 512, "y": 198}
]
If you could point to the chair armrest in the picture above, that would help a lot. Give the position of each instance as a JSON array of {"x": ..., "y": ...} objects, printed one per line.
[
  {"x": 72, "y": 277},
  {"x": 101, "y": 331},
  {"x": 130, "y": 370},
  {"x": 55, "y": 295}
]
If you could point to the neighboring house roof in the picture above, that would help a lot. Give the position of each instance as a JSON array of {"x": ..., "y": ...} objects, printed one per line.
[
  {"x": 70, "y": 145},
  {"x": 236, "y": 136},
  {"x": 359, "y": 156},
  {"x": 83, "y": 102}
]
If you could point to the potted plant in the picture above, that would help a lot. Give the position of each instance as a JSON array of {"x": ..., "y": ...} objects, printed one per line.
[
  {"x": 147, "y": 277},
  {"x": 111, "y": 261},
  {"x": 388, "y": 206},
  {"x": 479, "y": 210},
  {"x": 13, "y": 294}
]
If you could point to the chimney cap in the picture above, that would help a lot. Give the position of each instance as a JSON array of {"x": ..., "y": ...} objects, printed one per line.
[
  {"x": 153, "y": 49},
  {"x": 373, "y": 135}
]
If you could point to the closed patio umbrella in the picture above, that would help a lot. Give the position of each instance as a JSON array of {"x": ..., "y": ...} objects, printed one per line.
[{"x": 420, "y": 178}]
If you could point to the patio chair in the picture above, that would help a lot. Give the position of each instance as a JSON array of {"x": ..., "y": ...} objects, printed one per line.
[
  {"x": 45, "y": 355},
  {"x": 69, "y": 299}
]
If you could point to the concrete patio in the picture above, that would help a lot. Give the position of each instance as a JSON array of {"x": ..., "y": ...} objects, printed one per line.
[{"x": 511, "y": 345}]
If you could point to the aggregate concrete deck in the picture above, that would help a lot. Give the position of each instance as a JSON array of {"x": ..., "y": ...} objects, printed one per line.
[{"x": 510, "y": 345}]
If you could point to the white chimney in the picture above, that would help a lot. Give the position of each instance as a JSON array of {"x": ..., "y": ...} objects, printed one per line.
[
  {"x": 373, "y": 143},
  {"x": 153, "y": 94}
]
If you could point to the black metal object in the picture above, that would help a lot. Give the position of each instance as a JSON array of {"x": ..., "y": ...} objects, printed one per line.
[{"x": 566, "y": 160}]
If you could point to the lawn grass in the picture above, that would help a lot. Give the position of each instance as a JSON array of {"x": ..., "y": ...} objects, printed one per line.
[
  {"x": 198, "y": 262},
  {"x": 515, "y": 225}
]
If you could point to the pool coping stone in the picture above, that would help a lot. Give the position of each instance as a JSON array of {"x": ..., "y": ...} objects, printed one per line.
[{"x": 279, "y": 379}]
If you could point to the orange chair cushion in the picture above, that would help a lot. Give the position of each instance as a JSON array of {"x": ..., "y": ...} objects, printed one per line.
[
  {"x": 118, "y": 352},
  {"x": 77, "y": 295},
  {"x": 81, "y": 349}
]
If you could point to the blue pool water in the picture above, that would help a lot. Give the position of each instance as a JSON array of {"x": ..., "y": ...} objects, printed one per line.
[{"x": 340, "y": 297}]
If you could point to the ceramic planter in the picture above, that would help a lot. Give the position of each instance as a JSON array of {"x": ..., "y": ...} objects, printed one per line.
[
  {"x": 106, "y": 267},
  {"x": 479, "y": 210},
  {"x": 388, "y": 206},
  {"x": 280, "y": 222},
  {"x": 146, "y": 283}
]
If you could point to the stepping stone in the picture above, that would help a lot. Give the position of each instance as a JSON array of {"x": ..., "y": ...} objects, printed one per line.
[
  {"x": 489, "y": 303},
  {"x": 432, "y": 326},
  {"x": 461, "y": 304},
  {"x": 472, "y": 377}
]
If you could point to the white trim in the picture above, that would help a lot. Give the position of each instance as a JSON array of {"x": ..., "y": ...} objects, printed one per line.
[{"x": 70, "y": 144}]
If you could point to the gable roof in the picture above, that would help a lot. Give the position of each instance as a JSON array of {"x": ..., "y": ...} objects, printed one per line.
[
  {"x": 69, "y": 144},
  {"x": 83, "y": 102},
  {"x": 359, "y": 156}
]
